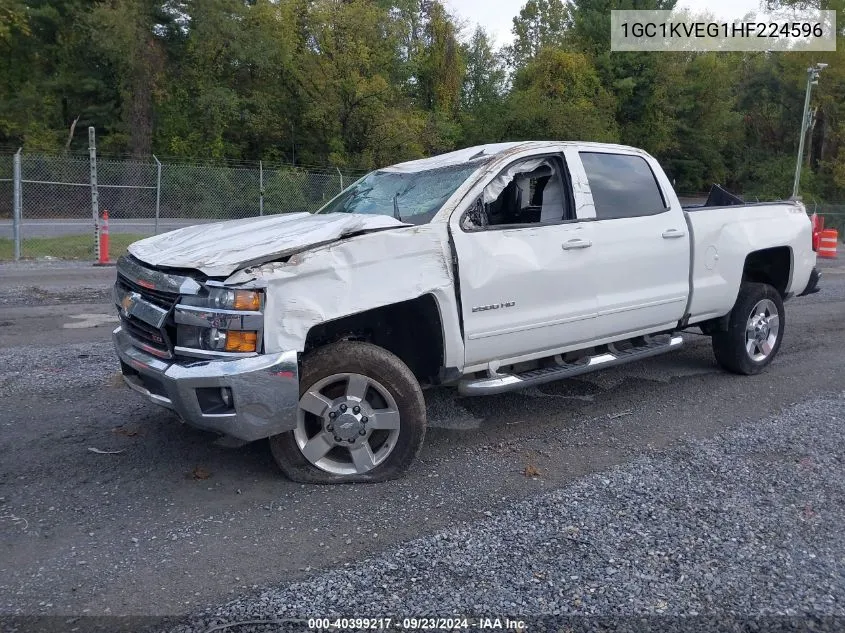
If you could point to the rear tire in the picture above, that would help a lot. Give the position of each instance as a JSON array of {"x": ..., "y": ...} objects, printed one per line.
[
  {"x": 755, "y": 330},
  {"x": 362, "y": 417}
]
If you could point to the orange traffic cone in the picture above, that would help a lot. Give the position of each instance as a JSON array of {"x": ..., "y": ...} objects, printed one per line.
[{"x": 104, "y": 241}]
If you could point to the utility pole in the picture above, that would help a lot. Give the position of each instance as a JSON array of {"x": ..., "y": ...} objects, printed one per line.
[
  {"x": 95, "y": 198},
  {"x": 158, "y": 191},
  {"x": 17, "y": 202},
  {"x": 812, "y": 80}
]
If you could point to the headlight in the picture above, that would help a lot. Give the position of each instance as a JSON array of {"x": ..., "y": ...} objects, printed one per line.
[
  {"x": 214, "y": 340},
  {"x": 225, "y": 299},
  {"x": 228, "y": 299},
  {"x": 220, "y": 320}
]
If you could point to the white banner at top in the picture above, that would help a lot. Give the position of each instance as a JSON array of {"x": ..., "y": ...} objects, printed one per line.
[{"x": 684, "y": 31}]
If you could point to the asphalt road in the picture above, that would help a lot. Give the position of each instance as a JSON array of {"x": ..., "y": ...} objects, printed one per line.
[
  {"x": 173, "y": 522},
  {"x": 62, "y": 227}
]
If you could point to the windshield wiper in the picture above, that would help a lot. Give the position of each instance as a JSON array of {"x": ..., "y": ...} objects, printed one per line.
[
  {"x": 358, "y": 193},
  {"x": 396, "y": 206},
  {"x": 411, "y": 186}
]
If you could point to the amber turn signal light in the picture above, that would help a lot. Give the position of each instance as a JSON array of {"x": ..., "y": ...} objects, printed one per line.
[
  {"x": 247, "y": 300},
  {"x": 241, "y": 341}
]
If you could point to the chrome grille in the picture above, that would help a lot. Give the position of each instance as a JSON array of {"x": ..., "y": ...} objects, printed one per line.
[
  {"x": 161, "y": 298},
  {"x": 150, "y": 296},
  {"x": 148, "y": 335}
]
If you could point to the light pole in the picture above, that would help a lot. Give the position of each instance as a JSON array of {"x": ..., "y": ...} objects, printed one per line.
[{"x": 812, "y": 80}]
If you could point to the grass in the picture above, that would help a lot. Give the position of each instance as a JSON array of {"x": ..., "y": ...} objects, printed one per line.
[{"x": 66, "y": 246}]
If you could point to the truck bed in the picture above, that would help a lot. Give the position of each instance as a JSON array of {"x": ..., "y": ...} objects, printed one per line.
[{"x": 723, "y": 235}]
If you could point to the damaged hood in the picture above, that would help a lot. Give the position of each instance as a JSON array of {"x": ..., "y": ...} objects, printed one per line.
[{"x": 221, "y": 248}]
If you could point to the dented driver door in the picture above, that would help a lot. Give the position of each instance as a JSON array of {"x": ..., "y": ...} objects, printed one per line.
[{"x": 526, "y": 288}]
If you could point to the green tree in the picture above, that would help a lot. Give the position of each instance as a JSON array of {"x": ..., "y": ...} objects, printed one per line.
[
  {"x": 559, "y": 96},
  {"x": 540, "y": 23},
  {"x": 441, "y": 69},
  {"x": 351, "y": 98},
  {"x": 47, "y": 74},
  {"x": 484, "y": 80},
  {"x": 363, "y": 83},
  {"x": 707, "y": 129},
  {"x": 484, "y": 90},
  {"x": 13, "y": 19},
  {"x": 640, "y": 81},
  {"x": 130, "y": 35},
  {"x": 233, "y": 71}
]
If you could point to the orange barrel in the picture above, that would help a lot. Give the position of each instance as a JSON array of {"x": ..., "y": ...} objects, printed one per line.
[{"x": 827, "y": 243}]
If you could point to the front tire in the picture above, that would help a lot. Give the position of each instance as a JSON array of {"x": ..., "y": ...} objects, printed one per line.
[
  {"x": 755, "y": 330},
  {"x": 361, "y": 417}
]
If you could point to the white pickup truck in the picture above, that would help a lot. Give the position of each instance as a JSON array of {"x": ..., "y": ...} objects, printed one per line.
[{"x": 492, "y": 268}]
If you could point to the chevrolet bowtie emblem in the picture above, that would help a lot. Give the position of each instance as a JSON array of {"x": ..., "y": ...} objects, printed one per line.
[{"x": 126, "y": 304}]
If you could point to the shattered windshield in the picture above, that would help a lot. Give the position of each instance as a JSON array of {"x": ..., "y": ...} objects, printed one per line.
[{"x": 413, "y": 197}]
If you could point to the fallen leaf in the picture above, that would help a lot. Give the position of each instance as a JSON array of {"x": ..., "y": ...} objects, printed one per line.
[
  {"x": 531, "y": 471},
  {"x": 200, "y": 473},
  {"x": 120, "y": 430},
  {"x": 102, "y": 452}
]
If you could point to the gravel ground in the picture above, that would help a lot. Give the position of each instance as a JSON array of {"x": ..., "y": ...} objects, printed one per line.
[
  {"x": 141, "y": 533},
  {"x": 748, "y": 523},
  {"x": 79, "y": 368},
  {"x": 39, "y": 283},
  {"x": 36, "y": 296}
]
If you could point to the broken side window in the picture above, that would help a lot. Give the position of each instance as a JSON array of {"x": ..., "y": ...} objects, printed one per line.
[{"x": 528, "y": 192}]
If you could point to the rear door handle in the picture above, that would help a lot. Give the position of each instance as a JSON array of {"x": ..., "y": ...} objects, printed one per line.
[
  {"x": 673, "y": 233},
  {"x": 576, "y": 243}
]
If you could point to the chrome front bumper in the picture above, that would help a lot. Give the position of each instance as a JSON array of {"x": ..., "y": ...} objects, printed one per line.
[{"x": 264, "y": 389}]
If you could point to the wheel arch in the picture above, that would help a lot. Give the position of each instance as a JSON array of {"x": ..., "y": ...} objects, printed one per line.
[
  {"x": 413, "y": 330},
  {"x": 771, "y": 266}
]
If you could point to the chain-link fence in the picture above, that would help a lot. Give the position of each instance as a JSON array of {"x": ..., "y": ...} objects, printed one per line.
[
  {"x": 59, "y": 195},
  {"x": 833, "y": 214},
  {"x": 6, "y": 202},
  {"x": 56, "y": 208}
]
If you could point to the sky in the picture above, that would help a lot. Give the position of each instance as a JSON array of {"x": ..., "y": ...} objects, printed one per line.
[{"x": 497, "y": 15}]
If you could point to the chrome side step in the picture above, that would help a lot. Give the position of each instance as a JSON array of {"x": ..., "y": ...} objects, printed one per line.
[{"x": 500, "y": 383}]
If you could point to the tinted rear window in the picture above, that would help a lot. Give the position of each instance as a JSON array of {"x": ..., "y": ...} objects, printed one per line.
[{"x": 623, "y": 186}]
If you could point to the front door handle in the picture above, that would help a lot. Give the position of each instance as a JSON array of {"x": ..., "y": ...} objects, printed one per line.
[
  {"x": 576, "y": 243},
  {"x": 670, "y": 234}
]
